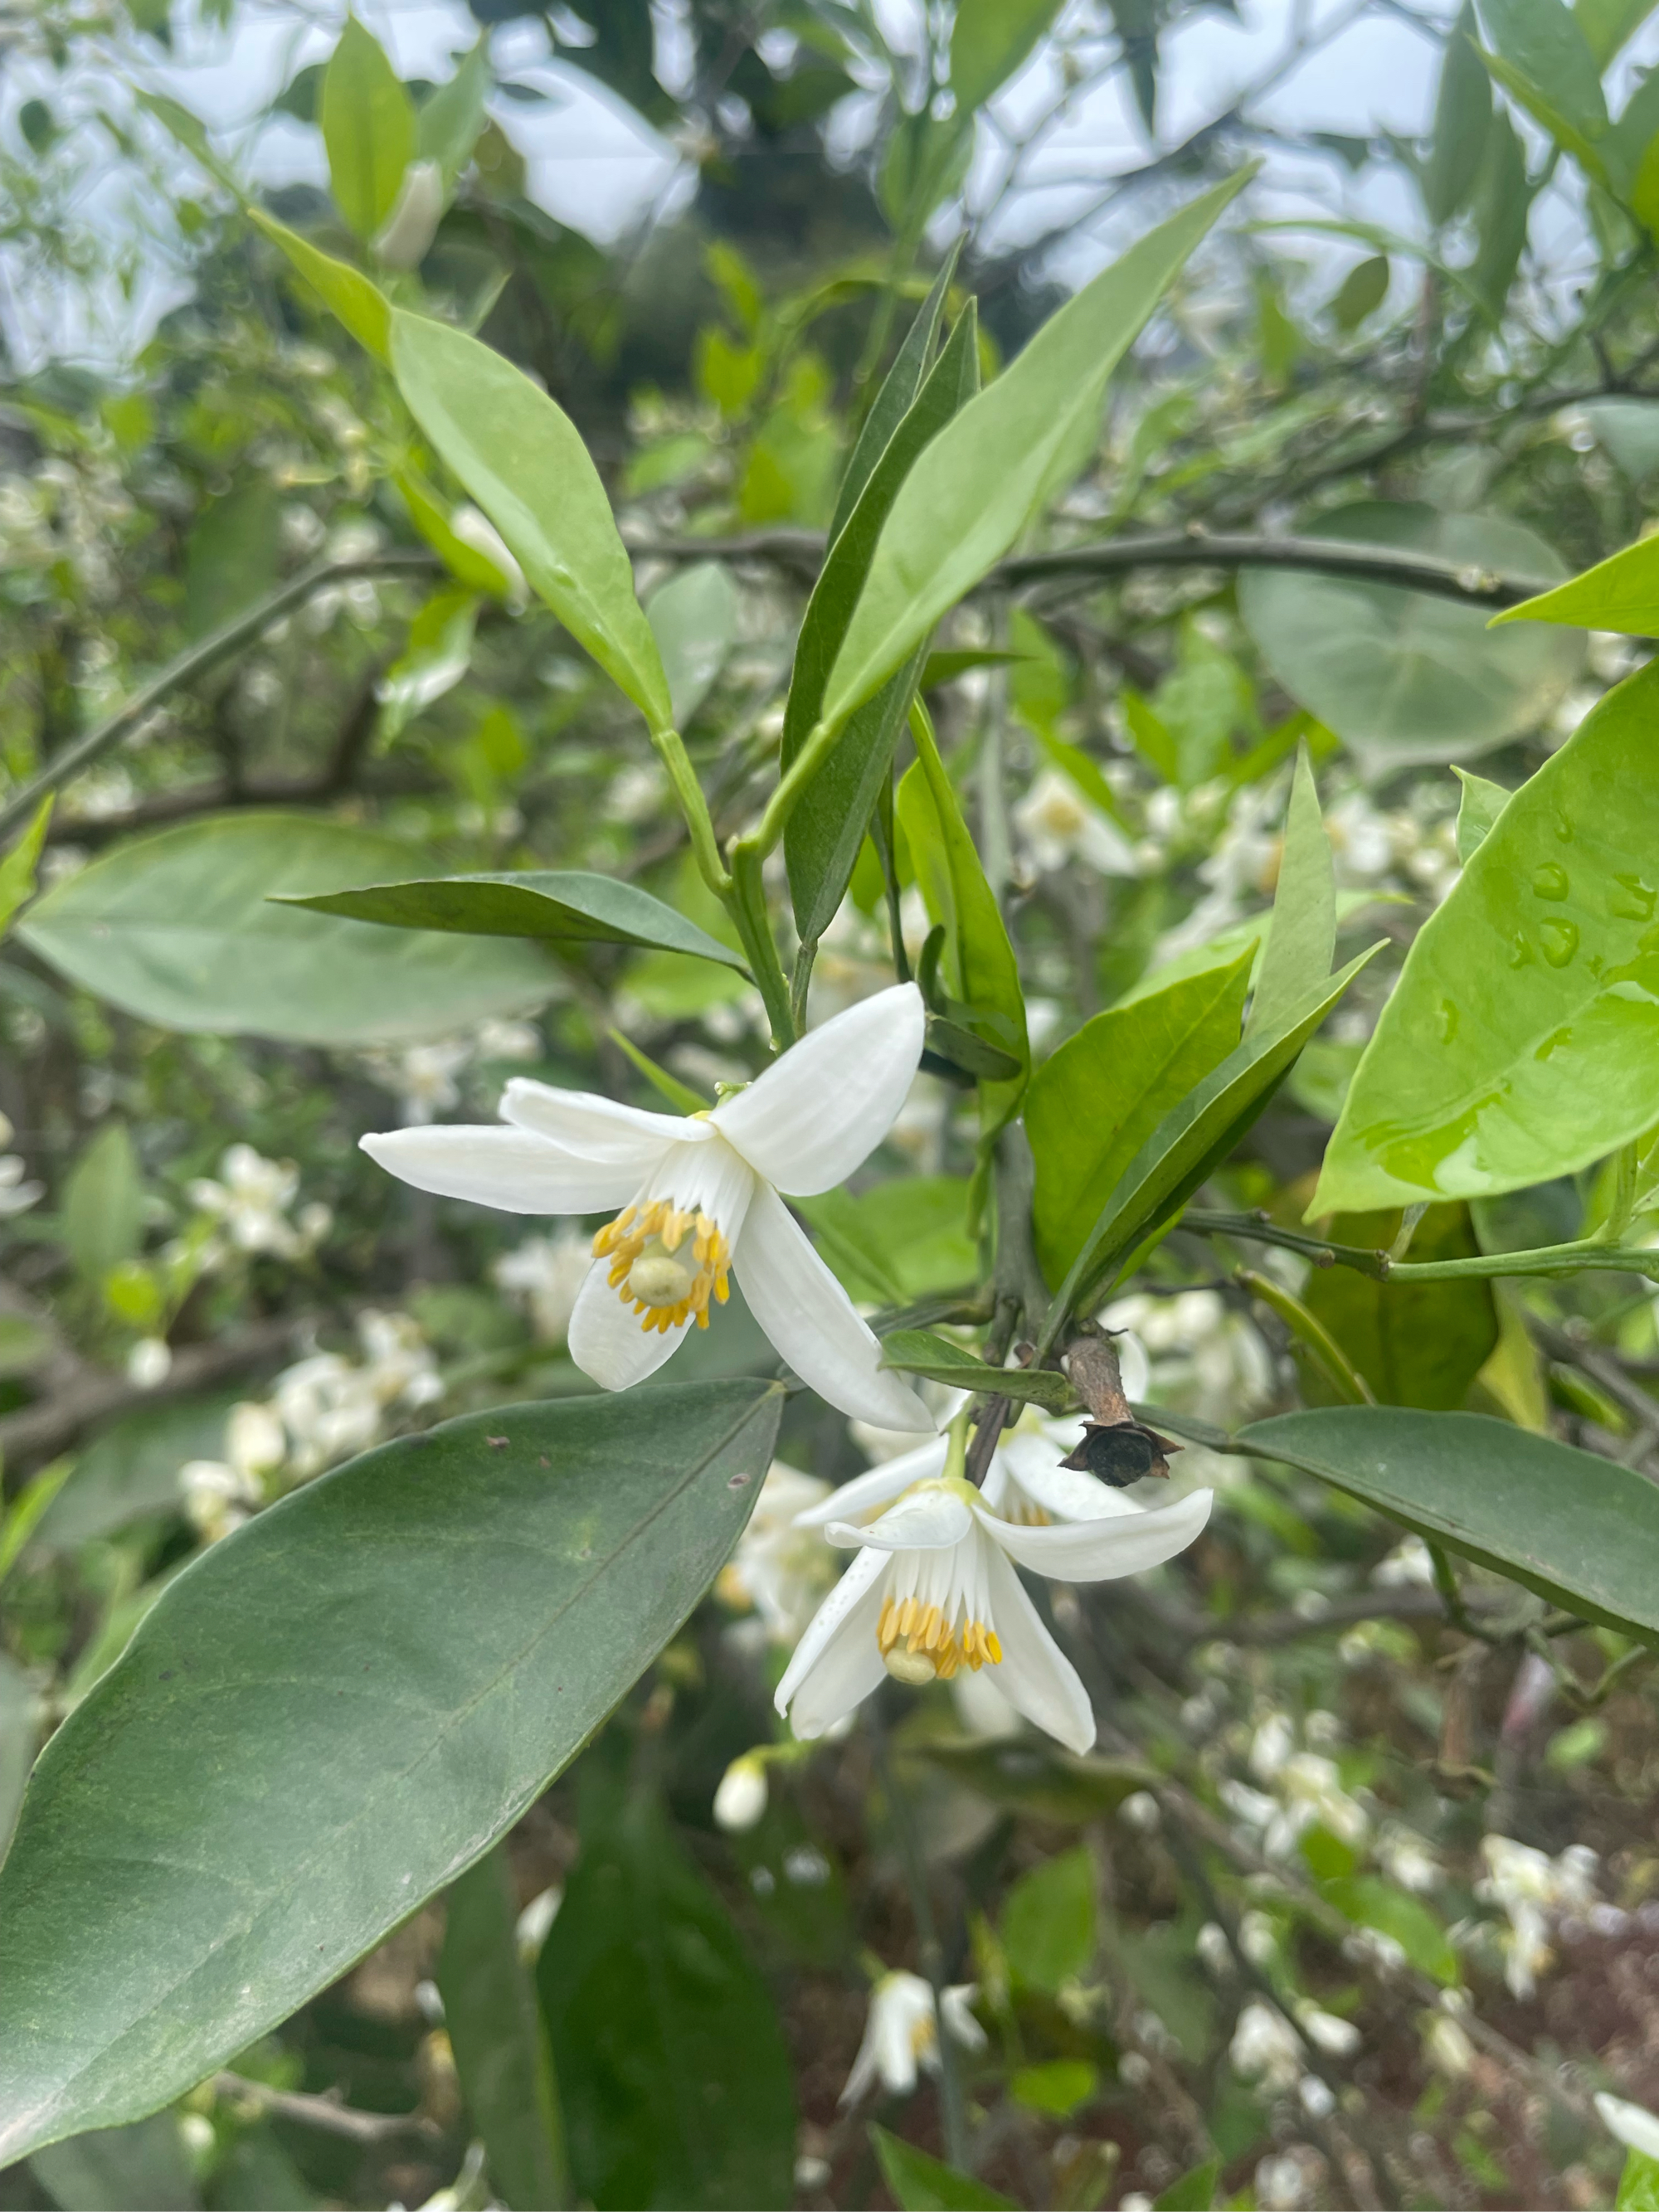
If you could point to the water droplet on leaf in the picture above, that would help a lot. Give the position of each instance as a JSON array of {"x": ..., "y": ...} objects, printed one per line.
[
  {"x": 1559, "y": 939},
  {"x": 1550, "y": 882}
]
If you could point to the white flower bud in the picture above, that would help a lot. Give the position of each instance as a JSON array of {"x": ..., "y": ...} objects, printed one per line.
[
  {"x": 148, "y": 1363},
  {"x": 477, "y": 531},
  {"x": 740, "y": 1799},
  {"x": 408, "y": 231}
]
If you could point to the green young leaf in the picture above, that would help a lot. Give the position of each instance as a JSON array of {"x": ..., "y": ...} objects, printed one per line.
[
  {"x": 1620, "y": 593},
  {"x": 180, "y": 928},
  {"x": 1542, "y": 48},
  {"x": 435, "y": 659},
  {"x": 900, "y": 1239},
  {"x": 18, "y": 867},
  {"x": 368, "y": 128},
  {"x": 990, "y": 40},
  {"x": 1581, "y": 1531},
  {"x": 1482, "y": 802},
  {"x": 347, "y": 294},
  {"x": 1519, "y": 1041},
  {"x": 1416, "y": 1343},
  {"x": 1093, "y": 1103},
  {"x": 1049, "y": 1928},
  {"x": 500, "y": 2040},
  {"x": 1302, "y": 934},
  {"x": 920, "y": 1352},
  {"x": 1193, "y": 2192},
  {"x": 1371, "y": 1902},
  {"x": 893, "y": 402},
  {"x": 522, "y": 460},
  {"x": 694, "y": 619},
  {"x": 104, "y": 1204},
  {"x": 1608, "y": 24},
  {"x": 949, "y": 1041},
  {"x": 1638, "y": 2184},
  {"x": 340, "y": 1706},
  {"x": 671, "y": 2065},
  {"x": 112, "y": 2167},
  {"x": 449, "y": 120},
  {"x": 981, "y": 970},
  {"x": 1399, "y": 676},
  {"x": 562, "y": 905},
  {"x": 922, "y": 2183},
  {"x": 827, "y": 827},
  {"x": 972, "y": 492}
]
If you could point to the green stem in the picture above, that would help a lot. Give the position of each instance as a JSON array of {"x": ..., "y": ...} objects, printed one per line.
[
  {"x": 705, "y": 846},
  {"x": 1585, "y": 1256},
  {"x": 790, "y": 786},
  {"x": 746, "y": 898}
]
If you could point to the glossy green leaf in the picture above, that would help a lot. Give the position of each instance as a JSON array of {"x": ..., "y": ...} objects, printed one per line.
[
  {"x": 18, "y": 867},
  {"x": 1541, "y": 45},
  {"x": 922, "y": 2183},
  {"x": 500, "y": 2040},
  {"x": 338, "y": 1709},
  {"x": 1618, "y": 594},
  {"x": 104, "y": 1204},
  {"x": 1521, "y": 1039},
  {"x": 368, "y": 128},
  {"x": 1192, "y": 1139},
  {"x": 1399, "y": 676},
  {"x": 972, "y": 492},
  {"x": 1609, "y": 24},
  {"x": 920, "y": 1352},
  {"x": 1534, "y": 101},
  {"x": 1301, "y": 937},
  {"x": 992, "y": 39},
  {"x": 1048, "y": 1921},
  {"x": 694, "y": 619},
  {"x": 1093, "y": 1103},
  {"x": 1481, "y": 804},
  {"x": 522, "y": 460},
  {"x": 182, "y": 928},
  {"x": 825, "y": 830},
  {"x": 563, "y": 905},
  {"x": 1638, "y": 2184},
  {"x": 1193, "y": 2191},
  {"x": 113, "y": 2168},
  {"x": 1371, "y": 1902},
  {"x": 1415, "y": 1344},
  {"x": 1581, "y": 1531},
  {"x": 348, "y": 295},
  {"x": 893, "y": 401},
  {"x": 468, "y": 565},
  {"x": 1058, "y": 2086},
  {"x": 676, "y": 2083}
]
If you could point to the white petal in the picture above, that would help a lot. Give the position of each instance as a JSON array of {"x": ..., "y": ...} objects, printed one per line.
[
  {"x": 815, "y": 1114},
  {"x": 709, "y": 1178},
  {"x": 930, "y": 1522},
  {"x": 811, "y": 1322},
  {"x": 512, "y": 1169},
  {"x": 1103, "y": 1551},
  {"x": 598, "y": 1128},
  {"x": 1035, "y": 1675},
  {"x": 1633, "y": 2126},
  {"x": 607, "y": 1340},
  {"x": 838, "y": 1661},
  {"x": 1066, "y": 1492},
  {"x": 880, "y": 1487}
]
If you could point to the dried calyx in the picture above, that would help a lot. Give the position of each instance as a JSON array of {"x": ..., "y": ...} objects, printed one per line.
[{"x": 1115, "y": 1448}]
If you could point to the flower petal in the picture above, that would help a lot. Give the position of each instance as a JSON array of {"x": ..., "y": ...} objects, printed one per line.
[
  {"x": 880, "y": 1487},
  {"x": 1034, "y": 1675},
  {"x": 815, "y": 1114},
  {"x": 511, "y": 1168},
  {"x": 596, "y": 1128},
  {"x": 608, "y": 1340},
  {"x": 838, "y": 1661},
  {"x": 929, "y": 1522},
  {"x": 1066, "y": 1492},
  {"x": 812, "y": 1320},
  {"x": 1103, "y": 1551}
]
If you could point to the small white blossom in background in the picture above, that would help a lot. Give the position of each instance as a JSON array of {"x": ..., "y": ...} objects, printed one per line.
[
  {"x": 219, "y": 1495},
  {"x": 779, "y": 1571},
  {"x": 1058, "y": 825},
  {"x": 1288, "y": 2180},
  {"x": 509, "y": 1040},
  {"x": 1141, "y": 1810},
  {"x": 529, "y": 1930},
  {"x": 1447, "y": 2047},
  {"x": 248, "y": 1203},
  {"x": 1531, "y": 1890},
  {"x": 149, "y": 1363},
  {"x": 1215, "y": 1952},
  {"x": 1362, "y": 840},
  {"x": 1327, "y": 2031},
  {"x": 636, "y": 795},
  {"x": 741, "y": 1796},
  {"x": 1204, "y": 1358},
  {"x": 422, "y": 1077},
  {"x": 332, "y": 1407},
  {"x": 17, "y": 1195},
  {"x": 901, "y": 2033},
  {"x": 1265, "y": 2049},
  {"x": 546, "y": 1274},
  {"x": 1408, "y": 1566},
  {"x": 1304, "y": 1790},
  {"x": 1408, "y": 1862}
]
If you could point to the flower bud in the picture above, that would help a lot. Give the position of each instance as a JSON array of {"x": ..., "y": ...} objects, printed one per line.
[
  {"x": 740, "y": 1799},
  {"x": 404, "y": 237}
]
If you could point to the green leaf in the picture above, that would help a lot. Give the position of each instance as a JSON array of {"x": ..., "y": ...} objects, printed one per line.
[
  {"x": 130, "y": 1470},
  {"x": 466, "y": 563},
  {"x": 500, "y": 2041},
  {"x": 1581, "y": 1531},
  {"x": 926, "y": 162},
  {"x": 562, "y": 905},
  {"x": 1463, "y": 114},
  {"x": 1618, "y": 594},
  {"x": 1482, "y": 802},
  {"x": 436, "y": 659},
  {"x": 1194, "y": 2190},
  {"x": 922, "y": 2183},
  {"x": 1628, "y": 429},
  {"x": 232, "y": 556},
  {"x": 114, "y": 2167},
  {"x": 20, "y": 1727},
  {"x": 181, "y": 928},
  {"x": 920, "y": 1352},
  {"x": 980, "y": 967},
  {"x": 1502, "y": 210},
  {"x": 1302, "y": 933},
  {"x": 990, "y": 40},
  {"x": 1192, "y": 1140},
  {"x": 368, "y": 128},
  {"x": 677, "y": 2086},
  {"x": 1608, "y": 24},
  {"x": 1541, "y": 46},
  {"x": 348, "y": 295},
  {"x": 825, "y": 832},
  {"x": 680, "y": 1095},
  {"x": 1093, "y": 1103},
  {"x": 1049, "y": 1928},
  {"x": 892, "y": 402},
  {"x": 449, "y": 120},
  {"x": 694, "y": 619},
  {"x": 973, "y": 490},
  {"x": 1361, "y": 292},
  {"x": 18, "y": 867},
  {"x": 104, "y": 1204},
  {"x": 1520, "y": 1040},
  {"x": 1401, "y": 676},
  {"x": 1638, "y": 2184},
  {"x": 340, "y": 1707},
  {"x": 1058, "y": 2086},
  {"x": 1371, "y": 1902},
  {"x": 1416, "y": 1343},
  {"x": 902, "y": 1238},
  {"x": 522, "y": 460}
]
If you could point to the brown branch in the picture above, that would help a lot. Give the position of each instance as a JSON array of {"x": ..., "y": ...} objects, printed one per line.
[{"x": 325, "y": 2114}]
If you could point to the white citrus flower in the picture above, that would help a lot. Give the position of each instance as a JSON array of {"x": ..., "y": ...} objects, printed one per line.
[
  {"x": 1058, "y": 825},
  {"x": 934, "y": 1589},
  {"x": 901, "y": 2031},
  {"x": 700, "y": 1198},
  {"x": 780, "y": 1568}
]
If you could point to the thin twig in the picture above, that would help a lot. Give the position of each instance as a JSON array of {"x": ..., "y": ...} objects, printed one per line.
[{"x": 325, "y": 2114}]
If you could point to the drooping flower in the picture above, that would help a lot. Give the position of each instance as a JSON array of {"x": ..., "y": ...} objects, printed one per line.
[
  {"x": 934, "y": 1589},
  {"x": 901, "y": 2032},
  {"x": 701, "y": 1198}
]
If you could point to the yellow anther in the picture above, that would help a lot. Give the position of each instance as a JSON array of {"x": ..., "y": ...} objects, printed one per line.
[{"x": 663, "y": 1287}]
